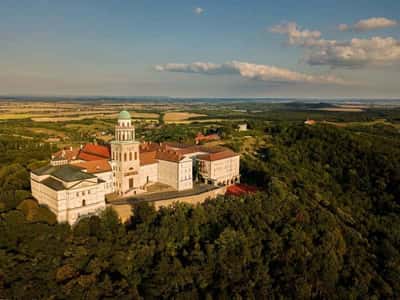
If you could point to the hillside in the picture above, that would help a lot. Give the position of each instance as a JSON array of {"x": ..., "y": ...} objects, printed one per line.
[{"x": 326, "y": 225}]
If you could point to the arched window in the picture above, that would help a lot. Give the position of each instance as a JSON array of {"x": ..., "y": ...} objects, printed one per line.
[
  {"x": 125, "y": 156},
  {"x": 130, "y": 155},
  {"x": 120, "y": 157},
  {"x": 83, "y": 202},
  {"x": 135, "y": 155}
]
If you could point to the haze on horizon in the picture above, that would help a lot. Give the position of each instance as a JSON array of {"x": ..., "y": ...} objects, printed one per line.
[{"x": 200, "y": 48}]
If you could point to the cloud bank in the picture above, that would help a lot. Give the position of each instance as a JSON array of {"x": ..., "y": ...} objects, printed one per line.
[
  {"x": 251, "y": 71},
  {"x": 356, "y": 53},
  {"x": 369, "y": 24}
]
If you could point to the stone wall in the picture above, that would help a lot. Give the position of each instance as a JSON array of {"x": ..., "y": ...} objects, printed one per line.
[
  {"x": 125, "y": 211},
  {"x": 194, "y": 199}
]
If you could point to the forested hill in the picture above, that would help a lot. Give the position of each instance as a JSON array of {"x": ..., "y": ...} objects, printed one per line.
[{"x": 326, "y": 225}]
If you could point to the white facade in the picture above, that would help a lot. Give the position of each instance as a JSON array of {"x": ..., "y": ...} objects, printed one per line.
[
  {"x": 223, "y": 171},
  {"x": 69, "y": 200}
]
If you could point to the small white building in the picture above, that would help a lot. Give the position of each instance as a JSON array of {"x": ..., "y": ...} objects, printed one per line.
[
  {"x": 242, "y": 127},
  {"x": 68, "y": 192}
]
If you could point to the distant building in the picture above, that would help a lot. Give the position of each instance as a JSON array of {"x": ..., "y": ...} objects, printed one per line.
[
  {"x": 64, "y": 156},
  {"x": 77, "y": 179},
  {"x": 242, "y": 127},
  {"x": 206, "y": 138},
  {"x": 310, "y": 122}
]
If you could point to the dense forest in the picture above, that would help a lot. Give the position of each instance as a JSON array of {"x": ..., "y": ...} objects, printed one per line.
[{"x": 325, "y": 225}]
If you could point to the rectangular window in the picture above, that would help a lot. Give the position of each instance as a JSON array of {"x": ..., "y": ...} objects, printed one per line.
[{"x": 130, "y": 183}]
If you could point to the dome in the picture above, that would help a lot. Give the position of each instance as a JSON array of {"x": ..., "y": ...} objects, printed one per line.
[{"x": 124, "y": 115}]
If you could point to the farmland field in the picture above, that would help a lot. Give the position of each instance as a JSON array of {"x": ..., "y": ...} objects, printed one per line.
[{"x": 180, "y": 116}]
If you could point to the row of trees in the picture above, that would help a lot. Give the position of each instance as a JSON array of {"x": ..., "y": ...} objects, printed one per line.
[{"x": 18, "y": 156}]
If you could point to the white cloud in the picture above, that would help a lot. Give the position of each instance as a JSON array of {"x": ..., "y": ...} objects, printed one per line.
[
  {"x": 198, "y": 10},
  {"x": 369, "y": 24},
  {"x": 251, "y": 71},
  {"x": 343, "y": 27},
  {"x": 354, "y": 53},
  {"x": 295, "y": 35},
  {"x": 357, "y": 52}
]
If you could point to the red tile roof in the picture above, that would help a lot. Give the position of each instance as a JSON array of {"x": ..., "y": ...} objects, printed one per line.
[
  {"x": 89, "y": 157},
  {"x": 147, "y": 158},
  {"x": 310, "y": 122},
  {"x": 149, "y": 146},
  {"x": 95, "y": 166},
  {"x": 210, "y": 137},
  {"x": 240, "y": 189},
  {"x": 99, "y": 150},
  {"x": 169, "y": 155}
]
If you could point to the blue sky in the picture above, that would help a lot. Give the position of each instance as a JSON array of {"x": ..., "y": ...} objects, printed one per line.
[{"x": 200, "y": 48}]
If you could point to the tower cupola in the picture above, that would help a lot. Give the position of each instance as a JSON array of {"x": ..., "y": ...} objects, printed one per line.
[{"x": 124, "y": 130}]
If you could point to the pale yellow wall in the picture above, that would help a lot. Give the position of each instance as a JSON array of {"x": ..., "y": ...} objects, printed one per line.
[
  {"x": 195, "y": 199},
  {"x": 45, "y": 195},
  {"x": 185, "y": 174},
  {"x": 225, "y": 169},
  {"x": 151, "y": 171},
  {"x": 168, "y": 173}
]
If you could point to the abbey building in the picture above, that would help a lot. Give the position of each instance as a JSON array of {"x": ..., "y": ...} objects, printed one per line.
[{"x": 77, "y": 180}]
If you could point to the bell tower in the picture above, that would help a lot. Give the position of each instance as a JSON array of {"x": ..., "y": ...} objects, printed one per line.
[{"x": 125, "y": 156}]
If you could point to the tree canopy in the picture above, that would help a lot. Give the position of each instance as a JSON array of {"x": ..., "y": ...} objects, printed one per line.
[{"x": 325, "y": 225}]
